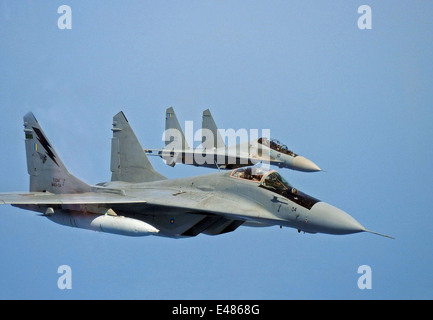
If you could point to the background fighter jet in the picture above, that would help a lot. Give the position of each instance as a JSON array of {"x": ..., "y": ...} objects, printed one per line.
[
  {"x": 139, "y": 201},
  {"x": 215, "y": 154}
]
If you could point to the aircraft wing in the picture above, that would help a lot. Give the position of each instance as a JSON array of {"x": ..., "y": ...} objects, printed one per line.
[
  {"x": 47, "y": 198},
  {"x": 195, "y": 211},
  {"x": 192, "y": 202},
  {"x": 204, "y": 202}
]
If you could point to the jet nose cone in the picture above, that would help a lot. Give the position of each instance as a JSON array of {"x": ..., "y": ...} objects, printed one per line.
[
  {"x": 303, "y": 164},
  {"x": 329, "y": 219}
]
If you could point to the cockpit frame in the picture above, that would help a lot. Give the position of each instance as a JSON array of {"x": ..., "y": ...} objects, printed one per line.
[
  {"x": 276, "y": 145},
  {"x": 248, "y": 173},
  {"x": 272, "y": 181}
]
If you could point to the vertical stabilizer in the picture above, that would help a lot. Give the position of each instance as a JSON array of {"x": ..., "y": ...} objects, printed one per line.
[
  {"x": 211, "y": 138},
  {"x": 129, "y": 162},
  {"x": 174, "y": 137},
  {"x": 46, "y": 169}
]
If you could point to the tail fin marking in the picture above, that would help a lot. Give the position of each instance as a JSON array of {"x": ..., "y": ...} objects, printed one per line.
[{"x": 46, "y": 169}]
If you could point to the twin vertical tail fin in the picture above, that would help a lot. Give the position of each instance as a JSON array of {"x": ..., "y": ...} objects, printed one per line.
[
  {"x": 47, "y": 172},
  {"x": 129, "y": 162},
  {"x": 211, "y": 138},
  {"x": 46, "y": 169},
  {"x": 173, "y": 135}
]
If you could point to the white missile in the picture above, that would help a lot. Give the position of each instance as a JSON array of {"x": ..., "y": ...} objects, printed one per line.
[{"x": 104, "y": 223}]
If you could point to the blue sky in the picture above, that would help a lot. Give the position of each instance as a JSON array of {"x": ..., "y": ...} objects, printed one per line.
[{"x": 356, "y": 102}]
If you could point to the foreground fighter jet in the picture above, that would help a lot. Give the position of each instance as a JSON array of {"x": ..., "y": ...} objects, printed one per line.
[
  {"x": 138, "y": 201},
  {"x": 215, "y": 154}
]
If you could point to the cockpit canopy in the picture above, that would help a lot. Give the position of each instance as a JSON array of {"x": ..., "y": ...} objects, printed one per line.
[
  {"x": 269, "y": 179},
  {"x": 276, "y": 145},
  {"x": 249, "y": 173},
  {"x": 274, "y": 182}
]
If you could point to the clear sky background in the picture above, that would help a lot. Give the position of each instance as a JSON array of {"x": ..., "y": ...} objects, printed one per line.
[{"x": 356, "y": 102}]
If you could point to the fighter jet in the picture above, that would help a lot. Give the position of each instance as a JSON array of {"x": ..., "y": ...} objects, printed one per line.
[
  {"x": 139, "y": 201},
  {"x": 215, "y": 154}
]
